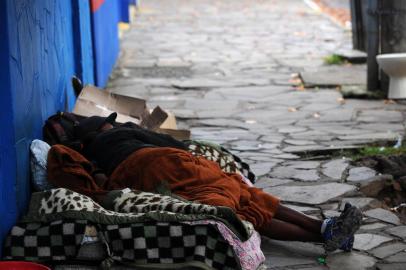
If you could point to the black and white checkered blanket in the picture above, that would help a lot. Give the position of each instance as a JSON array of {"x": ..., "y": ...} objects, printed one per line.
[
  {"x": 55, "y": 226},
  {"x": 138, "y": 244}
]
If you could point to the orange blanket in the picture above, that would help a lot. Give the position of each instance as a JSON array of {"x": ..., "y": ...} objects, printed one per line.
[
  {"x": 193, "y": 178},
  {"x": 67, "y": 168}
]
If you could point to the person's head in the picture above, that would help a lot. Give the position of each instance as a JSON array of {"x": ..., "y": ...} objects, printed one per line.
[{"x": 93, "y": 125}]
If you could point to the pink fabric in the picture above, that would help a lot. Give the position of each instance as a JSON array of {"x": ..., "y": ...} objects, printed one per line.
[{"x": 249, "y": 252}]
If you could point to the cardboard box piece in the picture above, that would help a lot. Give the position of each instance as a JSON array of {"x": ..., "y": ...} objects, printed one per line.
[{"x": 95, "y": 101}]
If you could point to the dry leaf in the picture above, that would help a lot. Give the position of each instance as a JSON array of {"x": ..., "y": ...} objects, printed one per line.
[
  {"x": 300, "y": 87},
  {"x": 341, "y": 100},
  {"x": 292, "y": 109}
]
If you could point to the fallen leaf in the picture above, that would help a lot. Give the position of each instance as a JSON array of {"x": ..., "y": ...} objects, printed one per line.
[
  {"x": 292, "y": 109},
  {"x": 341, "y": 100},
  {"x": 389, "y": 101},
  {"x": 300, "y": 87}
]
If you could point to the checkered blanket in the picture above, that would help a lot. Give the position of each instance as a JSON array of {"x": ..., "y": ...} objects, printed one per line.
[
  {"x": 56, "y": 221},
  {"x": 53, "y": 241},
  {"x": 137, "y": 244},
  {"x": 154, "y": 243}
]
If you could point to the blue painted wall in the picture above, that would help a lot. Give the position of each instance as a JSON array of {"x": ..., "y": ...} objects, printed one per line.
[
  {"x": 105, "y": 20},
  {"x": 39, "y": 53},
  {"x": 43, "y": 43},
  {"x": 124, "y": 10},
  {"x": 7, "y": 151},
  {"x": 83, "y": 44}
]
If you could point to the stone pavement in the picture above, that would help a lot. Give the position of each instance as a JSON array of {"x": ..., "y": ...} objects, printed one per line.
[{"x": 225, "y": 69}]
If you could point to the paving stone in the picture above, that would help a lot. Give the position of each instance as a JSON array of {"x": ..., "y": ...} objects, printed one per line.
[
  {"x": 367, "y": 241},
  {"x": 391, "y": 266},
  {"x": 303, "y": 209},
  {"x": 291, "y": 129},
  {"x": 288, "y": 172},
  {"x": 360, "y": 173},
  {"x": 331, "y": 213},
  {"x": 388, "y": 250},
  {"x": 373, "y": 226},
  {"x": 315, "y": 194},
  {"x": 376, "y": 116},
  {"x": 393, "y": 127},
  {"x": 290, "y": 254},
  {"x": 399, "y": 231},
  {"x": 335, "y": 168},
  {"x": 398, "y": 258},
  {"x": 303, "y": 164},
  {"x": 329, "y": 206},
  {"x": 363, "y": 203},
  {"x": 300, "y": 142},
  {"x": 383, "y": 215},
  {"x": 316, "y": 148},
  {"x": 350, "y": 261},
  {"x": 287, "y": 156},
  {"x": 334, "y": 76},
  {"x": 221, "y": 122},
  {"x": 311, "y": 268},
  {"x": 262, "y": 168},
  {"x": 271, "y": 182},
  {"x": 375, "y": 136},
  {"x": 353, "y": 56}
]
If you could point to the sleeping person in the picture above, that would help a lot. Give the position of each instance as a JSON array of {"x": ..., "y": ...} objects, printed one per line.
[{"x": 128, "y": 156}]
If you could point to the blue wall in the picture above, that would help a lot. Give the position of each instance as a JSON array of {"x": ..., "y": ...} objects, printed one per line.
[
  {"x": 38, "y": 58},
  {"x": 105, "y": 20},
  {"x": 7, "y": 151},
  {"x": 82, "y": 35},
  {"x": 43, "y": 43}
]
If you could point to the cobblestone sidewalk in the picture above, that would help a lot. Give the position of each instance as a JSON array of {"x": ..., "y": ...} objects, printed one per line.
[{"x": 224, "y": 68}]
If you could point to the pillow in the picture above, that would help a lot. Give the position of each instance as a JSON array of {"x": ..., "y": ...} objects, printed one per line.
[{"x": 39, "y": 155}]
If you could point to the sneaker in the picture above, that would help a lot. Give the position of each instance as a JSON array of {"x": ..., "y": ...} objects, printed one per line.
[
  {"x": 348, "y": 244},
  {"x": 339, "y": 231}
]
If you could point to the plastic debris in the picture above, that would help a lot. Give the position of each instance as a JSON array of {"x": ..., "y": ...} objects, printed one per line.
[
  {"x": 321, "y": 260},
  {"x": 398, "y": 142}
]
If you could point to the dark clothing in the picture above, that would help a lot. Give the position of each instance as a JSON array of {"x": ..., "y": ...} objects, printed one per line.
[
  {"x": 109, "y": 148},
  {"x": 93, "y": 124}
]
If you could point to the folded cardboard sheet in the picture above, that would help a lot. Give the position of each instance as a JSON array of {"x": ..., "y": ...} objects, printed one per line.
[{"x": 95, "y": 101}]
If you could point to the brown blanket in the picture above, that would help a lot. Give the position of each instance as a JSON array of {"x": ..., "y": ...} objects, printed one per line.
[
  {"x": 67, "y": 168},
  {"x": 193, "y": 178}
]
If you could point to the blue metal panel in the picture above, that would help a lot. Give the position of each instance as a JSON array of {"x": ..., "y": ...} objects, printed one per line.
[
  {"x": 105, "y": 39},
  {"x": 82, "y": 34},
  {"x": 37, "y": 62},
  {"x": 124, "y": 10},
  {"x": 8, "y": 211}
]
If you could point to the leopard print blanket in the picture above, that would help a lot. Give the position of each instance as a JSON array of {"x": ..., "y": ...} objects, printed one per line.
[{"x": 126, "y": 206}]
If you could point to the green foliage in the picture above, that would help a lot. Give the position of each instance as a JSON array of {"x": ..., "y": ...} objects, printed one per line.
[
  {"x": 334, "y": 59},
  {"x": 376, "y": 150}
]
